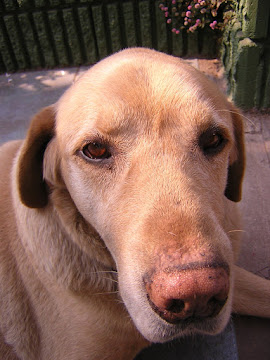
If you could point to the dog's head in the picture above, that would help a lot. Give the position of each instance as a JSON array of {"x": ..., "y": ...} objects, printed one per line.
[{"x": 151, "y": 154}]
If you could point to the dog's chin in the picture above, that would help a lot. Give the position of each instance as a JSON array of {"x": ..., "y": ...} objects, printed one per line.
[{"x": 157, "y": 330}]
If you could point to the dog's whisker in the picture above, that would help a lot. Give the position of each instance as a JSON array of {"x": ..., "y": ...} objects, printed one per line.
[
  {"x": 232, "y": 231},
  {"x": 121, "y": 302},
  {"x": 107, "y": 293},
  {"x": 103, "y": 271},
  {"x": 235, "y": 112},
  {"x": 113, "y": 280}
]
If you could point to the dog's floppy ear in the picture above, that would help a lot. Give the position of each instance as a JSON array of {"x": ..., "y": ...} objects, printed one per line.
[
  {"x": 236, "y": 168},
  {"x": 31, "y": 186}
]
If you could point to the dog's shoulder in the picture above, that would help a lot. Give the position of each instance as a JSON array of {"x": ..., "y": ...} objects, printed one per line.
[
  {"x": 10, "y": 148},
  {"x": 8, "y": 153},
  {"x": 15, "y": 308},
  {"x": 8, "y": 228}
]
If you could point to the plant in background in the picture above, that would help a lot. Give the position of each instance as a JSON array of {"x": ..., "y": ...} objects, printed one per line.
[{"x": 191, "y": 15}]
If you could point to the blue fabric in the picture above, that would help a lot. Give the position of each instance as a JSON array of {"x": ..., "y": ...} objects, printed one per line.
[{"x": 199, "y": 347}]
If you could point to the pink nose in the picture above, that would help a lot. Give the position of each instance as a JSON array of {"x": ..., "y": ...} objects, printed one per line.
[{"x": 180, "y": 294}]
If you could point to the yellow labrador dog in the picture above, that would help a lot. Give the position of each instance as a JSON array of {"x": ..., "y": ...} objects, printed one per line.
[{"x": 119, "y": 221}]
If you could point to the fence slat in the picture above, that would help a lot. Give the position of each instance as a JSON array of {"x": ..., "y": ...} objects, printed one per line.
[
  {"x": 79, "y": 35},
  {"x": 46, "y": 38},
  {"x": 2, "y": 64},
  {"x": 137, "y": 22},
  {"x": 57, "y": 34},
  {"x": 61, "y": 14},
  {"x": 107, "y": 29},
  {"x": 92, "y": 25},
  {"x": 21, "y": 38},
  {"x": 122, "y": 28},
  {"x": 114, "y": 26},
  {"x": 100, "y": 31},
  {"x": 88, "y": 35},
  {"x": 153, "y": 25},
  {"x": 10, "y": 61},
  {"x": 36, "y": 39}
]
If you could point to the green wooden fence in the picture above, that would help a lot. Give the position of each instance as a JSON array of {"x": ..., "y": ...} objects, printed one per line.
[
  {"x": 52, "y": 33},
  {"x": 38, "y": 34}
]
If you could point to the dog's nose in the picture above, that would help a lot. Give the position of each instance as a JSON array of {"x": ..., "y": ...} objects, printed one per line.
[{"x": 177, "y": 295}]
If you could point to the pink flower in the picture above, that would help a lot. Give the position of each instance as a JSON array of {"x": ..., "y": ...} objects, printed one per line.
[
  {"x": 192, "y": 28},
  {"x": 173, "y": 2},
  {"x": 203, "y": 11},
  {"x": 169, "y": 21},
  {"x": 188, "y": 14},
  {"x": 198, "y": 22},
  {"x": 197, "y": 6},
  {"x": 213, "y": 25},
  {"x": 189, "y": 7},
  {"x": 174, "y": 30},
  {"x": 177, "y": 32},
  {"x": 166, "y": 14}
]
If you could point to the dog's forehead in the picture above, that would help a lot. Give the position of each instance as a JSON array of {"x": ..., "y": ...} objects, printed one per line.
[
  {"x": 138, "y": 90},
  {"x": 147, "y": 81}
]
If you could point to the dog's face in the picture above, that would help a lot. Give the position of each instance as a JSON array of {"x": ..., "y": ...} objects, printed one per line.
[{"x": 150, "y": 152}]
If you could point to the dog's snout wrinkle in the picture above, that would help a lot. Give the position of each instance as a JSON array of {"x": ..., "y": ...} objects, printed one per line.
[{"x": 190, "y": 293}]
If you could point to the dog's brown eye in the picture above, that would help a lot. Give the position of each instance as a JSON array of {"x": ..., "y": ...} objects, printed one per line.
[
  {"x": 211, "y": 142},
  {"x": 96, "y": 151}
]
